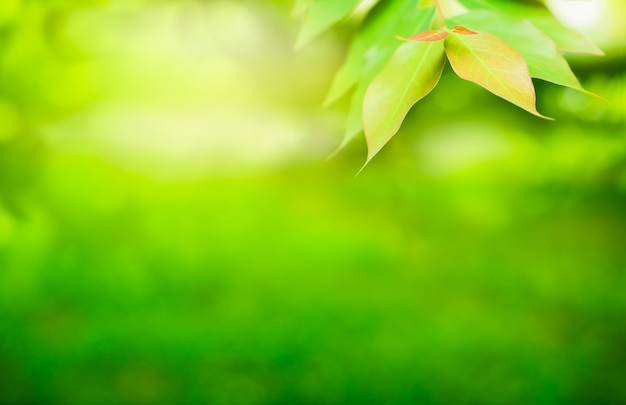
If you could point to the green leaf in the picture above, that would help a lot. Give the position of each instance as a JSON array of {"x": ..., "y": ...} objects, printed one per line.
[
  {"x": 490, "y": 62},
  {"x": 377, "y": 32},
  {"x": 539, "y": 51},
  {"x": 300, "y": 6},
  {"x": 567, "y": 39},
  {"x": 322, "y": 14},
  {"x": 412, "y": 73},
  {"x": 418, "y": 19}
]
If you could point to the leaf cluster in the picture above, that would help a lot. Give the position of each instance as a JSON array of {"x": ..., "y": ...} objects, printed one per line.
[{"x": 397, "y": 56}]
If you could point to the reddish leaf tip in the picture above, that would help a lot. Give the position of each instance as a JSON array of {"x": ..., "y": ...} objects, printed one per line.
[
  {"x": 459, "y": 29},
  {"x": 427, "y": 36}
]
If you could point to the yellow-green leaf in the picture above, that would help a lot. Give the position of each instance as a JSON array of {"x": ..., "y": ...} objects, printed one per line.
[
  {"x": 541, "y": 54},
  {"x": 416, "y": 19},
  {"x": 490, "y": 62},
  {"x": 413, "y": 71},
  {"x": 375, "y": 40},
  {"x": 300, "y": 6}
]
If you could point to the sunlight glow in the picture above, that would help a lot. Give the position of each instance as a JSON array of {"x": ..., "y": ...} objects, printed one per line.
[
  {"x": 578, "y": 13},
  {"x": 184, "y": 93}
]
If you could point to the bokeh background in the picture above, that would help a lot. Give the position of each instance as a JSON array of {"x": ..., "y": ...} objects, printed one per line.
[{"x": 172, "y": 232}]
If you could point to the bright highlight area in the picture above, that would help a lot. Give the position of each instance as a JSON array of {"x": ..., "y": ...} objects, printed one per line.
[
  {"x": 188, "y": 91},
  {"x": 581, "y": 14}
]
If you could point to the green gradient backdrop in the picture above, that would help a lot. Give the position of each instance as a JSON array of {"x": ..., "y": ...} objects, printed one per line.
[{"x": 170, "y": 232}]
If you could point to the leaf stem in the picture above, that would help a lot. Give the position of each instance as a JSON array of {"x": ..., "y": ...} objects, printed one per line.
[{"x": 440, "y": 9}]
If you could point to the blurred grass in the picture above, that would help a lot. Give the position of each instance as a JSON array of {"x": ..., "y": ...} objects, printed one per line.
[
  {"x": 308, "y": 287},
  {"x": 479, "y": 259}
]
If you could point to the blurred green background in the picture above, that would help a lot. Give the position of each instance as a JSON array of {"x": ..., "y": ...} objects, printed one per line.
[{"x": 171, "y": 231}]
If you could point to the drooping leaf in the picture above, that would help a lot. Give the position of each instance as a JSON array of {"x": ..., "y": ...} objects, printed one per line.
[
  {"x": 377, "y": 58},
  {"x": 322, "y": 14},
  {"x": 387, "y": 18},
  {"x": 539, "y": 51},
  {"x": 354, "y": 123},
  {"x": 427, "y": 36},
  {"x": 348, "y": 74},
  {"x": 412, "y": 73},
  {"x": 493, "y": 64},
  {"x": 567, "y": 39}
]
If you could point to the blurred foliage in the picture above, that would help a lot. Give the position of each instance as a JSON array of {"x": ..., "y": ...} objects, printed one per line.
[{"x": 170, "y": 231}]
